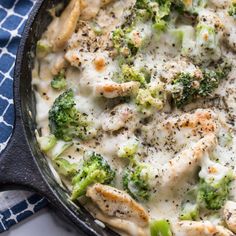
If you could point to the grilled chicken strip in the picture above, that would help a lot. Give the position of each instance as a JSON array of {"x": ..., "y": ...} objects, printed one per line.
[
  {"x": 230, "y": 215},
  {"x": 61, "y": 28},
  {"x": 199, "y": 228},
  {"x": 116, "y": 203},
  {"x": 186, "y": 163}
]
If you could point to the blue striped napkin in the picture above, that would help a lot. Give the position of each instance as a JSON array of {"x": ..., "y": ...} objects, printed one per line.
[{"x": 14, "y": 205}]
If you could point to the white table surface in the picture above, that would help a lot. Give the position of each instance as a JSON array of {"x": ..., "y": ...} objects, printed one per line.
[{"x": 43, "y": 223}]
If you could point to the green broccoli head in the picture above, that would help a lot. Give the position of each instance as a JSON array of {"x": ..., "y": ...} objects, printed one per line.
[
  {"x": 118, "y": 39},
  {"x": 212, "y": 79},
  {"x": 186, "y": 88},
  {"x": 212, "y": 194},
  {"x": 94, "y": 170},
  {"x": 43, "y": 48},
  {"x": 136, "y": 182},
  {"x": 157, "y": 10},
  {"x": 65, "y": 121},
  {"x": 151, "y": 97},
  {"x": 59, "y": 82},
  {"x": 161, "y": 14},
  {"x": 232, "y": 9},
  {"x": 128, "y": 73}
]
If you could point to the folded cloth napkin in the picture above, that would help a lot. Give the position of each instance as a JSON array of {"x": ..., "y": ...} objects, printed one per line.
[{"x": 14, "y": 205}]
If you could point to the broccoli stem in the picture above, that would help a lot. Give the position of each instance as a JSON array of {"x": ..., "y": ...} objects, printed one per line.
[
  {"x": 80, "y": 187},
  {"x": 160, "y": 228}
]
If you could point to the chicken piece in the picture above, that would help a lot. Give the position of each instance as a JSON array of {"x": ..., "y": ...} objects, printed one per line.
[
  {"x": 61, "y": 28},
  {"x": 119, "y": 224},
  {"x": 186, "y": 162},
  {"x": 230, "y": 215},
  {"x": 199, "y": 228},
  {"x": 116, "y": 203},
  {"x": 86, "y": 39},
  {"x": 177, "y": 132},
  {"x": 90, "y": 8},
  {"x": 112, "y": 90},
  {"x": 117, "y": 117}
]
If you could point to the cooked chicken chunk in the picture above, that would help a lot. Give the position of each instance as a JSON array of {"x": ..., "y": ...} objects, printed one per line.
[
  {"x": 117, "y": 117},
  {"x": 202, "y": 228},
  {"x": 124, "y": 226},
  {"x": 61, "y": 28},
  {"x": 112, "y": 89},
  {"x": 116, "y": 203},
  {"x": 230, "y": 215},
  {"x": 185, "y": 163},
  {"x": 179, "y": 131}
]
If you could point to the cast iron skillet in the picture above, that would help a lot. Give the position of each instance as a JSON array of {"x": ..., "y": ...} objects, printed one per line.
[{"x": 22, "y": 164}]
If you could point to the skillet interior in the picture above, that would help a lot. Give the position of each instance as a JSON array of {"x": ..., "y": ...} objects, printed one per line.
[{"x": 37, "y": 24}]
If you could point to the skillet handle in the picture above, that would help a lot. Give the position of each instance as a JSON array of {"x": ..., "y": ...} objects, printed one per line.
[{"x": 18, "y": 169}]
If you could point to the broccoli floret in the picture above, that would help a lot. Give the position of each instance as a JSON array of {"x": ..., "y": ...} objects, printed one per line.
[
  {"x": 189, "y": 207},
  {"x": 142, "y": 4},
  {"x": 53, "y": 147},
  {"x": 213, "y": 195},
  {"x": 158, "y": 11},
  {"x": 129, "y": 149},
  {"x": 161, "y": 14},
  {"x": 65, "y": 168},
  {"x": 46, "y": 142},
  {"x": 136, "y": 181},
  {"x": 94, "y": 170},
  {"x": 160, "y": 228},
  {"x": 43, "y": 48},
  {"x": 130, "y": 74},
  {"x": 213, "y": 189},
  {"x": 212, "y": 79},
  {"x": 128, "y": 40},
  {"x": 151, "y": 97},
  {"x": 232, "y": 9},
  {"x": 118, "y": 39},
  {"x": 59, "y": 81},
  {"x": 66, "y": 122},
  {"x": 185, "y": 88}
]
